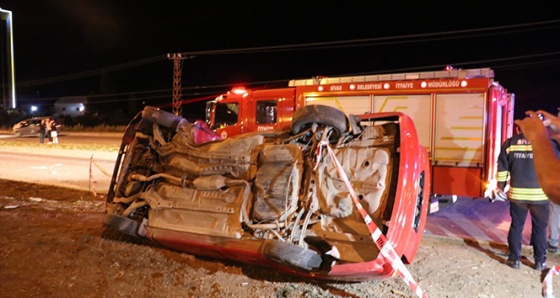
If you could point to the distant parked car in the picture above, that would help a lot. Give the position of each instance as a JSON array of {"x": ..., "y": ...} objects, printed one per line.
[
  {"x": 27, "y": 127},
  {"x": 30, "y": 127}
]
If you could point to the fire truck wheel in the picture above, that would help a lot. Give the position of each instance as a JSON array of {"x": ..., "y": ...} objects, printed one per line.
[
  {"x": 322, "y": 115},
  {"x": 161, "y": 117}
]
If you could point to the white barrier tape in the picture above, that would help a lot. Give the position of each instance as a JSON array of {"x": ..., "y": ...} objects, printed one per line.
[
  {"x": 385, "y": 247},
  {"x": 547, "y": 282}
]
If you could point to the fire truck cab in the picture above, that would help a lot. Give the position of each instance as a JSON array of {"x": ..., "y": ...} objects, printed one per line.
[{"x": 462, "y": 116}]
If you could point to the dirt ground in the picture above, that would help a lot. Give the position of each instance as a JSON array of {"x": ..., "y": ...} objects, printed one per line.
[{"x": 54, "y": 245}]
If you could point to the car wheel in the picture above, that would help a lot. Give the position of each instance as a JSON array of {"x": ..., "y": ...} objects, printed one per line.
[
  {"x": 291, "y": 254},
  {"x": 305, "y": 116}
]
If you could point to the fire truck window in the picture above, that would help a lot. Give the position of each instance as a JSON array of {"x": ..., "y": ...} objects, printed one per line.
[
  {"x": 226, "y": 115},
  {"x": 266, "y": 112}
]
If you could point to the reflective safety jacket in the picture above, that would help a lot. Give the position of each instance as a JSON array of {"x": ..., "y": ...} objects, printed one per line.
[{"x": 516, "y": 160}]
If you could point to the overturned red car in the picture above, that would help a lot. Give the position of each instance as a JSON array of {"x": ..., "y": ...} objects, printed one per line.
[{"x": 296, "y": 200}]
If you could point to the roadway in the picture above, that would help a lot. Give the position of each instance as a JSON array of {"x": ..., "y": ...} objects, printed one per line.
[
  {"x": 475, "y": 219},
  {"x": 84, "y": 169},
  {"x": 74, "y": 138}
]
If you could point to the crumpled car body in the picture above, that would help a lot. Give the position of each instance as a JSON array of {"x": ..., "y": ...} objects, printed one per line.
[{"x": 276, "y": 198}]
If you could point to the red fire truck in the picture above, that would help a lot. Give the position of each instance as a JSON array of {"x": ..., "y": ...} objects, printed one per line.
[{"x": 462, "y": 116}]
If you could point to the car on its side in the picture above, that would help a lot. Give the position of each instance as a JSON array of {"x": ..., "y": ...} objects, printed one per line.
[{"x": 309, "y": 200}]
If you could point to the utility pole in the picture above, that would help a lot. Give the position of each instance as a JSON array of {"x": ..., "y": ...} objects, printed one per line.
[{"x": 177, "y": 71}]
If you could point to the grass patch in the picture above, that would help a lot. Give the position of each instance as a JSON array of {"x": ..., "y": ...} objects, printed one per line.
[{"x": 99, "y": 128}]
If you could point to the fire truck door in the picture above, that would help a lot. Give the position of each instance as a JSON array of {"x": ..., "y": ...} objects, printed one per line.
[
  {"x": 417, "y": 107},
  {"x": 459, "y": 129},
  {"x": 270, "y": 109},
  {"x": 457, "y": 157}
]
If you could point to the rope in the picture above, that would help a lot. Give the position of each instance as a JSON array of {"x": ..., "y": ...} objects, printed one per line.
[
  {"x": 101, "y": 169},
  {"x": 91, "y": 180}
]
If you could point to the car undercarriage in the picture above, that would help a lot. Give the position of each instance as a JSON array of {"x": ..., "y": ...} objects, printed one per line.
[{"x": 272, "y": 198}]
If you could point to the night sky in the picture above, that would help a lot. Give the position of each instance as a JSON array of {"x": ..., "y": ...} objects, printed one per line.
[{"x": 115, "y": 51}]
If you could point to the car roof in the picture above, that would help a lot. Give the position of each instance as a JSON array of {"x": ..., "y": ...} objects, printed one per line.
[
  {"x": 36, "y": 118},
  {"x": 32, "y": 119}
]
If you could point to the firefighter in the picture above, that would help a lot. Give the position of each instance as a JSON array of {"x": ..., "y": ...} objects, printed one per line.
[{"x": 526, "y": 196}]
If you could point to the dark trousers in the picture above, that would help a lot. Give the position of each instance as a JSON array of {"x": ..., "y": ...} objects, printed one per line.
[{"x": 539, "y": 222}]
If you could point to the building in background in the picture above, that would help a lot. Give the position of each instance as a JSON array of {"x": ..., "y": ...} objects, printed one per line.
[{"x": 72, "y": 106}]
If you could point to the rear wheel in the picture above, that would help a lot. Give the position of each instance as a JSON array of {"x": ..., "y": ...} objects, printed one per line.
[{"x": 305, "y": 116}]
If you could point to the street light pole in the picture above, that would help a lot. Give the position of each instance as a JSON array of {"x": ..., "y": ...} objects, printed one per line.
[{"x": 8, "y": 42}]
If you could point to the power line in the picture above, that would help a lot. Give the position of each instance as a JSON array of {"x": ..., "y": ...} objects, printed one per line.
[
  {"x": 93, "y": 72},
  {"x": 411, "y": 38},
  {"x": 210, "y": 91},
  {"x": 386, "y": 40},
  {"x": 487, "y": 62}
]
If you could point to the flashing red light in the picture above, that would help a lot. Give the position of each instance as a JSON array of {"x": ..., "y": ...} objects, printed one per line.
[{"x": 239, "y": 90}]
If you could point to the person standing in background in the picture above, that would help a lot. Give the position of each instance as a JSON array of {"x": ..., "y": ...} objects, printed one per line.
[
  {"x": 554, "y": 219},
  {"x": 48, "y": 124},
  {"x": 553, "y": 227},
  {"x": 54, "y": 132},
  {"x": 42, "y": 131},
  {"x": 539, "y": 127}
]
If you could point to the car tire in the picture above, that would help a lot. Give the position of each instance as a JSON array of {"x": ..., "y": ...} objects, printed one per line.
[
  {"x": 305, "y": 116},
  {"x": 291, "y": 254}
]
